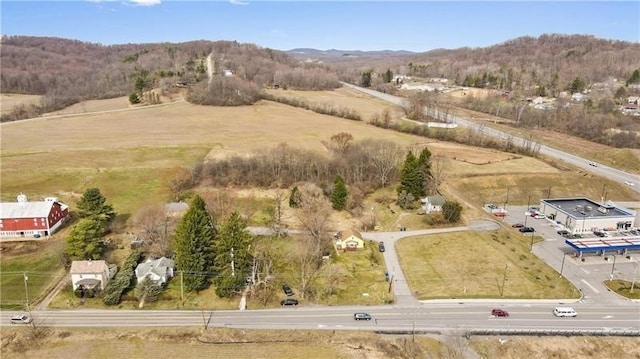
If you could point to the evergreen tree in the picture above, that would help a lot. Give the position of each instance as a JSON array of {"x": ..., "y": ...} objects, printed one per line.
[
  {"x": 339, "y": 194},
  {"x": 366, "y": 79},
  {"x": 451, "y": 211},
  {"x": 93, "y": 205},
  {"x": 577, "y": 85},
  {"x": 424, "y": 165},
  {"x": 635, "y": 77},
  {"x": 193, "y": 245},
  {"x": 295, "y": 199},
  {"x": 84, "y": 240},
  {"x": 387, "y": 76},
  {"x": 232, "y": 258},
  {"x": 147, "y": 290},
  {"x": 411, "y": 177}
]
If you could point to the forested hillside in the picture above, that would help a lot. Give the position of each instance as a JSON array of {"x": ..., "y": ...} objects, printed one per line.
[{"x": 68, "y": 71}]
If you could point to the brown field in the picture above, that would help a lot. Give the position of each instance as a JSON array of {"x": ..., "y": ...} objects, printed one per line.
[
  {"x": 342, "y": 97},
  {"x": 8, "y": 101},
  {"x": 62, "y": 343}
]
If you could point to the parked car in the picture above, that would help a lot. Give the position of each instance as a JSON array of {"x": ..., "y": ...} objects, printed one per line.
[
  {"x": 563, "y": 232},
  {"x": 517, "y": 225},
  {"x": 21, "y": 319},
  {"x": 540, "y": 216},
  {"x": 287, "y": 290},
  {"x": 526, "y": 229},
  {"x": 362, "y": 316},
  {"x": 600, "y": 234},
  {"x": 386, "y": 276},
  {"x": 289, "y": 301},
  {"x": 381, "y": 246},
  {"x": 499, "y": 313}
]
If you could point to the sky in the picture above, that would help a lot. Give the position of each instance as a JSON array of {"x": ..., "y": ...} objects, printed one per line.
[{"x": 345, "y": 25}]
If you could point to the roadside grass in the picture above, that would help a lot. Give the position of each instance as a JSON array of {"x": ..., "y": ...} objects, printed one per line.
[
  {"x": 559, "y": 347},
  {"x": 360, "y": 278},
  {"x": 623, "y": 288},
  {"x": 42, "y": 267},
  {"x": 216, "y": 343},
  {"x": 475, "y": 264}
]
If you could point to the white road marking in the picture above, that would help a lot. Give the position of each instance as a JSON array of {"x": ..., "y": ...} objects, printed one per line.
[
  {"x": 590, "y": 286},
  {"x": 584, "y": 270}
]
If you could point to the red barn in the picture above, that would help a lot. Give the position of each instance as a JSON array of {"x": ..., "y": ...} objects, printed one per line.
[{"x": 33, "y": 219}]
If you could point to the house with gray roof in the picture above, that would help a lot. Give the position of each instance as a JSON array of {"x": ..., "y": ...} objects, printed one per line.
[
  {"x": 91, "y": 274},
  {"x": 158, "y": 270},
  {"x": 432, "y": 204}
]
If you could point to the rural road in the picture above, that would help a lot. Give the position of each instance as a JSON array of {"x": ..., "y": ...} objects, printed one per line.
[
  {"x": 611, "y": 173},
  {"x": 448, "y": 318}
]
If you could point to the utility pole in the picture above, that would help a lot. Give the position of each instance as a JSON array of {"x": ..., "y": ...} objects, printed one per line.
[
  {"x": 531, "y": 245},
  {"x": 182, "y": 286},
  {"x": 562, "y": 265},
  {"x": 527, "y": 211},
  {"x": 233, "y": 264},
  {"x": 26, "y": 289},
  {"x": 613, "y": 267},
  {"x": 504, "y": 279}
]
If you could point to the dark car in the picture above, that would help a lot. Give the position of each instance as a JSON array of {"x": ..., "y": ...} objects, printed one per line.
[
  {"x": 362, "y": 316},
  {"x": 289, "y": 301},
  {"x": 381, "y": 246},
  {"x": 499, "y": 313},
  {"x": 563, "y": 232},
  {"x": 517, "y": 225},
  {"x": 526, "y": 229},
  {"x": 287, "y": 290},
  {"x": 386, "y": 276}
]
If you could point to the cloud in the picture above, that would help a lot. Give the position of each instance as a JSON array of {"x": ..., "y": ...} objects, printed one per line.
[
  {"x": 146, "y": 2},
  {"x": 238, "y": 2}
]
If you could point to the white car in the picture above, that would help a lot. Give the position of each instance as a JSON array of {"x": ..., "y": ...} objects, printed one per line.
[
  {"x": 628, "y": 183},
  {"x": 21, "y": 319}
]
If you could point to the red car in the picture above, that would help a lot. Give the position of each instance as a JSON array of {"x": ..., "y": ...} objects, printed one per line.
[
  {"x": 499, "y": 313},
  {"x": 517, "y": 225}
]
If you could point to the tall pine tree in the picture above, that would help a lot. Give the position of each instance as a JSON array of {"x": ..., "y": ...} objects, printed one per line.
[
  {"x": 424, "y": 165},
  {"x": 193, "y": 245},
  {"x": 93, "y": 204},
  {"x": 339, "y": 194},
  {"x": 232, "y": 258},
  {"x": 411, "y": 177}
]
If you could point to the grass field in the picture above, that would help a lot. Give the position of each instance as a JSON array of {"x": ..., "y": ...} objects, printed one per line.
[
  {"x": 9, "y": 101},
  {"x": 478, "y": 265},
  {"x": 131, "y": 154}
]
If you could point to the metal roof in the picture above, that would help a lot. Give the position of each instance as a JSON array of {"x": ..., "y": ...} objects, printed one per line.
[
  {"x": 580, "y": 208},
  {"x": 604, "y": 243},
  {"x": 9, "y": 210}
]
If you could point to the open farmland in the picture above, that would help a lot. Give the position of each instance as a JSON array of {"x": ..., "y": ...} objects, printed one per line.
[{"x": 9, "y": 101}]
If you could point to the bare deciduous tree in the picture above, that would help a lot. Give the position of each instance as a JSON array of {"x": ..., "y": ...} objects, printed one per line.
[
  {"x": 156, "y": 229},
  {"x": 385, "y": 156},
  {"x": 439, "y": 166},
  {"x": 314, "y": 211}
]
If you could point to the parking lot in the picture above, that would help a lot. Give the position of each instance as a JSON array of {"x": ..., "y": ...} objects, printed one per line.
[{"x": 587, "y": 273}]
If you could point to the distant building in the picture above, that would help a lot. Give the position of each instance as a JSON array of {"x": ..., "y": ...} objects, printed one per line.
[
  {"x": 349, "y": 240},
  {"x": 31, "y": 219},
  {"x": 432, "y": 204}
]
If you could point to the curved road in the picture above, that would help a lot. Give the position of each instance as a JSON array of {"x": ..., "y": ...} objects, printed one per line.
[{"x": 605, "y": 171}]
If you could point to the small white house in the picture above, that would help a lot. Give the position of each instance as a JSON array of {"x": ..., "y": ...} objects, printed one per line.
[
  {"x": 432, "y": 204},
  {"x": 158, "y": 270},
  {"x": 91, "y": 274}
]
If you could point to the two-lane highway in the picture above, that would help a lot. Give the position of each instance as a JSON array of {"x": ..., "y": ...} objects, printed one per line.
[
  {"x": 611, "y": 173},
  {"x": 440, "y": 317}
]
